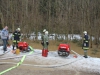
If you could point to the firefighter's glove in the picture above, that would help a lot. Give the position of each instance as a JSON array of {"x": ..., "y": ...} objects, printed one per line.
[
  {"x": 42, "y": 43},
  {"x": 47, "y": 43}
]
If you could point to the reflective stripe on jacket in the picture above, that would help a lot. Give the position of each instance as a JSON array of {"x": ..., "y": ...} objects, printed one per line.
[{"x": 15, "y": 41}]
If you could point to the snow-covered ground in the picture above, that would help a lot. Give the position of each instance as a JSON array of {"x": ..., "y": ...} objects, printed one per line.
[{"x": 53, "y": 60}]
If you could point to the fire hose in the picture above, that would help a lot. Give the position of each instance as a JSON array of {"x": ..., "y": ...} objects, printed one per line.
[
  {"x": 41, "y": 66},
  {"x": 18, "y": 64},
  {"x": 47, "y": 66}
]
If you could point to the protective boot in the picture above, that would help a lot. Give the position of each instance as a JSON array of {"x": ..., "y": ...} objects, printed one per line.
[{"x": 85, "y": 53}]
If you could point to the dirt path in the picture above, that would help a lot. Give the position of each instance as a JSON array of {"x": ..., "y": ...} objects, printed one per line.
[
  {"x": 27, "y": 70},
  {"x": 32, "y": 70}
]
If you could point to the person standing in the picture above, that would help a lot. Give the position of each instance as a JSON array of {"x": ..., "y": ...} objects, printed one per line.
[
  {"x": 42, "y": 42},
  {"x": 8, "y": 40},
  {"x": 85, "y": 44},
  {"x": 16, "y": 38},
  {"x": 46, "y": 41},
  {"x": 4, "y": 37}
]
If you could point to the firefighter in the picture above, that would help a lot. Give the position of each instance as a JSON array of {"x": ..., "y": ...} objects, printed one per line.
[
  {"x": 43, "y": 36},
  {"x": 16, "y": 38},
  {"x": 85, "y": 46},
  {"x": 45, "y": 41}
]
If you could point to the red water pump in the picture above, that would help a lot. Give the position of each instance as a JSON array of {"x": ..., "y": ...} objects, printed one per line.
[
  {"x": 64, "y": 49},
  {"x": 23, "y": 46}
]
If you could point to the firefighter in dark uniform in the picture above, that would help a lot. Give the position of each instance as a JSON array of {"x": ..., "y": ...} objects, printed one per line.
[
  {"x": 16, "y": 38},
  {"x": 85, "y": 43}
]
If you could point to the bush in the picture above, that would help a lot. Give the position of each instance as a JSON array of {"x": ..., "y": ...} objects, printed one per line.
[
  {"x": 60, "y": 40},
  {"x": 79, "y": 43},
  {"x": 95, "y": 51},
  {"x": 75, "y": 40}
]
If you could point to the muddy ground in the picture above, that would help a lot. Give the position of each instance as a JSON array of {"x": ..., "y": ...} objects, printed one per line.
[{"x": 28, "y": 70}]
